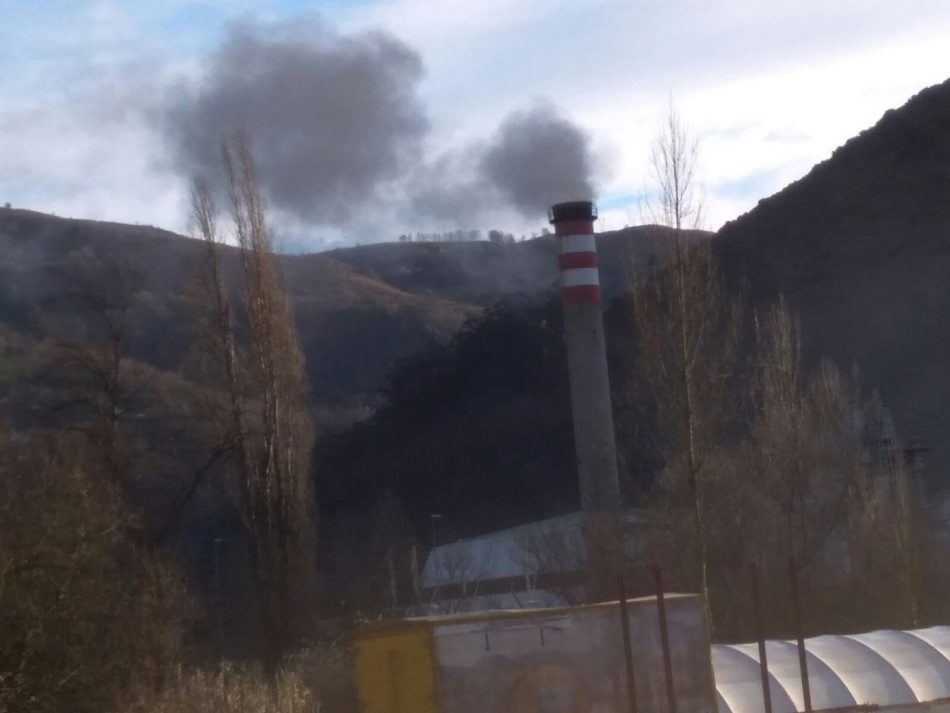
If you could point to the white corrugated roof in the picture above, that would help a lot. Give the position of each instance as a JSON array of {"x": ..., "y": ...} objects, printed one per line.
[
  {"x": 878, "y": 668},
  {"x": 502, "y": 553}
]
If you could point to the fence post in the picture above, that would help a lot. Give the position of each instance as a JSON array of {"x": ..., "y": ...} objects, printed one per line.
[
  {"x": 627, "y": 648},
  {"x": 664, "y": 638},
  {"x": 799, "y": 632},
  {"x": 760, "y": 636}
]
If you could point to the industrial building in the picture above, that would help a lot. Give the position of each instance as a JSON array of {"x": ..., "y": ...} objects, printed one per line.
[
  {"x": 516, "y": 568},
  {"x": 501, "y": 628}
]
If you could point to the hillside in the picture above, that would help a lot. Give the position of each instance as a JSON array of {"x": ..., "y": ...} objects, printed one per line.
[
  {"x": 359, "y": 309},
  {"x": 860, "y": 246},
  {"x": 481, "y": 272},
  {"x": 352, "y": 327}
]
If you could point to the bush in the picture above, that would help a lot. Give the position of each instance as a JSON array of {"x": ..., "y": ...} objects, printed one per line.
[
  {"x": 318, "y": 680},
  {"x": 233, "y": 690},
  {"x": 328, "y": 671},
  {"x": 85, "y": 610}
]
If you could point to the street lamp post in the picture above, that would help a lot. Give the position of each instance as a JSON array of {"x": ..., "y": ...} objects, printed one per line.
[
  {"x": 219, "y": 596},
  {"x": 432, "y": 520}
]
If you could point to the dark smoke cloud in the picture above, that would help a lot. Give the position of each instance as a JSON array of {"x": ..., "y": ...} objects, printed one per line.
[
  {"x": 338, "y": 132},
  {"x": 333, "y": 118},
  {"x": 538, "y": 158},
  {"x": 450, "y": 188},
  {"x": 534, "y": 159}
]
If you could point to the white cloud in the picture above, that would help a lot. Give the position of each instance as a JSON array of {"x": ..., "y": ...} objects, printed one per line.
[{"x": 771, "y": 88}]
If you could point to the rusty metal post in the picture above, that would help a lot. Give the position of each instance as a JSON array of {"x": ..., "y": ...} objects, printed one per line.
[
  {"x": 627, "y": 647},
  {"x": 416, "y": 579},
  {"x": 799, "y": 632},
  {"x": 664, "y": 638},
  {"x": 760, "y": 637}
]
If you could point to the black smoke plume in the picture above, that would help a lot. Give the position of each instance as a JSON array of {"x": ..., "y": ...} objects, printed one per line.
[
  {"x": 333, "y": 118},
  {"x": 338, "y": 131},
  {"x": 538, "y": 158}
]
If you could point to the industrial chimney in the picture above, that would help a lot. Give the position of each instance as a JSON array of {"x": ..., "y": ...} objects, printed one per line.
[{"x": 587, "y": 357}]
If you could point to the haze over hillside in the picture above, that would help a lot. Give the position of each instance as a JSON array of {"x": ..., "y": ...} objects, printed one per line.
[
  {"x": 859, "y": 246},
  {"x": 359, "y": 309}
]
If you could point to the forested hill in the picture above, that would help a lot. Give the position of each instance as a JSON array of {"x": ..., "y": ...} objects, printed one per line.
[
  {"x": 479, "y": 272},
  {"x": 860, "y": 246},
  {"x": 359, "y": 310},
  {"x": 352, "y": 326}
]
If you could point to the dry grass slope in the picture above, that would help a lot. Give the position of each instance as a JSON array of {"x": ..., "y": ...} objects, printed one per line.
[{"x": 316, "y": 681}]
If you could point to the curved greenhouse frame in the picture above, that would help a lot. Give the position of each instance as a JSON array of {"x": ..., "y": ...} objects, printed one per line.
[{"x": 880, "y": 668}]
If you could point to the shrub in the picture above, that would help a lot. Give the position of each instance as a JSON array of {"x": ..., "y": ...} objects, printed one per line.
[{"x": 316, "y": 680}]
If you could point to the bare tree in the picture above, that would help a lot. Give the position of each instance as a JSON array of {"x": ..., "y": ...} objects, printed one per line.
[
  {"x": 784, "y": 488},
  {"x": 368, "y": 551},
  {"x": 85, "y": 612},
  {"x": 456, "y": 567},
  {"x": 264, "y": 410},
  {"x": 796, "y": 480},
  {"x": 674, "y": 158},
  {"x": 887, "y": 533},
  {"x": 760, "y": 455},
  {"x": 101, "y": 388},
  {"x": 688, "y": 328},
  {"x": 555, "y": 549}
]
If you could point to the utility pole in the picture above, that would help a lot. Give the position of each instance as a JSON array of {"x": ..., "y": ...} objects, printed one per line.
[{"x": 219, "y": 598}]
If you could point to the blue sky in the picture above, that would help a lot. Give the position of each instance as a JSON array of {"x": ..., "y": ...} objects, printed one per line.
[{"x": 769, "y": 88}]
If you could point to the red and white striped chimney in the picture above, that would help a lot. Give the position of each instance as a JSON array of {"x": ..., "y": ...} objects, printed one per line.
[
  {"x": 594, "y": 440},
  {"x": 578, "y": 261}
]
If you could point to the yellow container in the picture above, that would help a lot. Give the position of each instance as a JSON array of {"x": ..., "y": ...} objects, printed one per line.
[{"x": 395, "y": 670}]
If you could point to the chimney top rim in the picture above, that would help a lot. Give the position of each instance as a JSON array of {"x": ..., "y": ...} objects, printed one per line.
[{"x": 572, "y": 210}]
